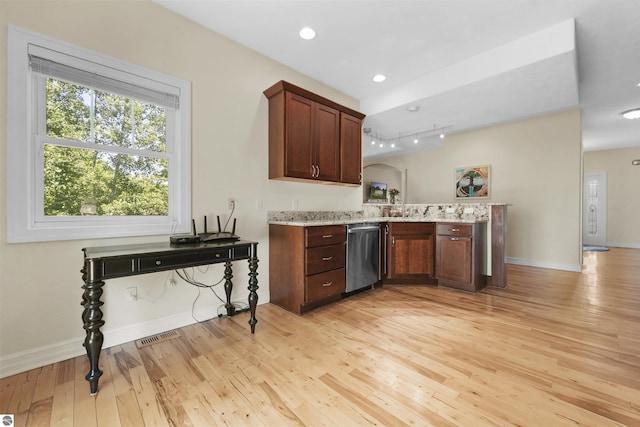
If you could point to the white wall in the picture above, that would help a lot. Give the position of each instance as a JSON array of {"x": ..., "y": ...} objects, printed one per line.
[
  {"x": 376, "y": 172},
  {"x": 40, "y": 283},
  {"x": 535, "y": 166},
  {"x": 623, "y": 195}
]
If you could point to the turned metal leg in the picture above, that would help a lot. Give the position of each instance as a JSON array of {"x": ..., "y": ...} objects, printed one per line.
[
  {"x": 92, "y": 318},
  {"x": 253, "y": 286},
  {"x": 228, "y": 287}
]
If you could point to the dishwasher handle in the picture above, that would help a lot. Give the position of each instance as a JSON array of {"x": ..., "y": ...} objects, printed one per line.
[{"x": 362, "y": 229}]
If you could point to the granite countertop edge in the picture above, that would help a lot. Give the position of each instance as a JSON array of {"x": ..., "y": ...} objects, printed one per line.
[{"x": 313, "y": 222}]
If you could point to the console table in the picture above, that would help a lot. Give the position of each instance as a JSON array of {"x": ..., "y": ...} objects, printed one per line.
[{"x": 108, "y": 262}]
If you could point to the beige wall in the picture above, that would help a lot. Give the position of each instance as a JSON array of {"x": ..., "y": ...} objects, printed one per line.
[
  {"x": 535, "y": 166},
  {"x": 623, "y": 195},
  {"x": 40, "y": 283}
]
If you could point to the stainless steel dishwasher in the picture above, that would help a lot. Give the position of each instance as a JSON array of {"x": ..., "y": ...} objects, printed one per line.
[{"x": 363, "y": 254}]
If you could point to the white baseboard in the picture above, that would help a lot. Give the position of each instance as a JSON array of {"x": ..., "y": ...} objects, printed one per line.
[
  {"x": 551, "y": 265},
  {"x": 623, "y": 245},
  {"x": 41, "y": 356}
]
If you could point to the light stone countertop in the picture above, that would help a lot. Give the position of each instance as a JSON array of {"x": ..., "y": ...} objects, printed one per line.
[
  {"x": 462, "y": 213},
  {"x": 315, "y": 222}
]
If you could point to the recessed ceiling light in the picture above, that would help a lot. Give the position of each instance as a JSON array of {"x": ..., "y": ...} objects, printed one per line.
[
  {"x": 631, "y": 114},
  {"x": 379, "y": 78},
  {"x": 307, "y": 33},
  {"x": 413, "y": 108}
]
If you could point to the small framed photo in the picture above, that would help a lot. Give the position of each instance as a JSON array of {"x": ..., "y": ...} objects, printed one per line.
[
  {"x": 378, "y": 192},
  {"x": 473, "y": 182}
]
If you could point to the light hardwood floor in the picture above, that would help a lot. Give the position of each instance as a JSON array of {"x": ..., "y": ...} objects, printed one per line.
[{"x": 555, "y": 348}]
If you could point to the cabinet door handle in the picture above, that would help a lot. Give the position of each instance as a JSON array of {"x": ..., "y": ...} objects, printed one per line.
[
  {"x": 393, "y": 241},
  {"x": 326, "y": 236},
  {"x": 327, "y": 284},
  {"x": 327, "y": 258},
  {"x": 455, "y": 239}
]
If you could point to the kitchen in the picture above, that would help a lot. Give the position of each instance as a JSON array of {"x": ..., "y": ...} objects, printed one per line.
[
  {"x": 318, "y": 257},
  {"x": 230, "y": 133}
]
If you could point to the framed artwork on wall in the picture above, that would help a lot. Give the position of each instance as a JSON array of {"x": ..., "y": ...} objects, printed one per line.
[
  {"x": 378, "y": 192},
  {"x": 473, "y": 182}
]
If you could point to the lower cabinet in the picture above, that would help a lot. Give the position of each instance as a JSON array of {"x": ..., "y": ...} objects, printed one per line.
[
  {"x": 306, "y": 265},
  {"x": 461, "y": 255},
  {"x": 410, "y": 252}
]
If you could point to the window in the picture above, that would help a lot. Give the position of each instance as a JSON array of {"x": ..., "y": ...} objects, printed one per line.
[{"x": 97, "y": 147}]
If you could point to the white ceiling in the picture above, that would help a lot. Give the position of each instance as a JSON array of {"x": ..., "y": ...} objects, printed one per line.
[{"x": 466, "y": 63}]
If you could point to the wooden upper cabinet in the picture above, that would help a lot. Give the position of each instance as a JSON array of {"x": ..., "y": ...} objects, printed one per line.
[
  {"x": 312, "y": 138},
  {"x": 351, "y": 149}
]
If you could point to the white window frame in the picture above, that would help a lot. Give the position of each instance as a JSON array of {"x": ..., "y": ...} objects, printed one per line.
[{"x": 25, "y": 221}]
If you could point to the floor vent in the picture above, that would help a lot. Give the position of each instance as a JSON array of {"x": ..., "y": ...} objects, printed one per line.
[{"x": 164, "y": 336}]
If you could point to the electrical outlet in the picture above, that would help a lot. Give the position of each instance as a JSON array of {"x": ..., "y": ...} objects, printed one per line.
[
  {"x": 232, "y": 203},
  {"x": 132, "y": 293}
]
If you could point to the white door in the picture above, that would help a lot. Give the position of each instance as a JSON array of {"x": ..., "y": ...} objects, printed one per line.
[{"x": 594, "y": 209}]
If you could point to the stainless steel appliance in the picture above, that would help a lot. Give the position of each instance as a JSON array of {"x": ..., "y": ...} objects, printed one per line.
[{"x": 363, "y": 252}]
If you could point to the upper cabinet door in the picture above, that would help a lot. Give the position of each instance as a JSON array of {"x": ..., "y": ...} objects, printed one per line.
[
  {"x": 299, "y": 137},
  {"x": 350, "y": 149},
  {"x": 326, "y": 144}
]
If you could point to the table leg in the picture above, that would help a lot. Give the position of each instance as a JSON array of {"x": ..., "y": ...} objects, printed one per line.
[
  {"x": 92, "y": 319},
  {"x": 228, "y": 287},
  {"x": 253, "y": 287}
]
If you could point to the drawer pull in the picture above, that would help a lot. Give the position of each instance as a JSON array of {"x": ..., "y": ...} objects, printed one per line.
[
  {"x": 158, "y": 262},
  {"x": 455, "y": 239},
  {"x": 218, "y": 255},
  {"x": 455, "y": 229},
  {"x": 327, "y": 258},
  {"x": 327, "y": 284},
  {"x": 326, "y": 236}
]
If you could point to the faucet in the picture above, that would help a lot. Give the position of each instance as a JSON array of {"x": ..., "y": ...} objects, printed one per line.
[{"x": 398, "y": 199}]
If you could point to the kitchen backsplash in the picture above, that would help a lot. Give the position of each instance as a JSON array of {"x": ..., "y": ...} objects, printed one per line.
[{"x": 453, "y": 211}]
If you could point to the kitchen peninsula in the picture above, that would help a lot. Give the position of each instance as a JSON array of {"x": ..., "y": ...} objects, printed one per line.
[{"x": 459, "y": 246}]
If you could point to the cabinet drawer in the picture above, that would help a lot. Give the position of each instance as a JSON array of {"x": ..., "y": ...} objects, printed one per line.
[
  {"x": 411, "y": 228},
  {"x": 147, "y": 264},
  {"x": 324, "y": 285},
  {"x": 325, "y": 235},
  {"x": 324, "y": 259},
  {"x": 455, "y": 229}
]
